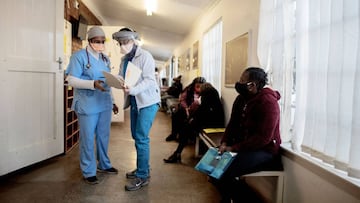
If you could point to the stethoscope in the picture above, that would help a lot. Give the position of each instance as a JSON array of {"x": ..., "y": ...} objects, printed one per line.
[{"x": 88, "y": 65}]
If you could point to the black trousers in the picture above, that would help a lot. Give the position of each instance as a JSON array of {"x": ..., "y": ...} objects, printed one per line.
[
  {"x": 187, "y": 131},
  {"x": 231, "y": 188},
  {"x": 178, "y": 120}
]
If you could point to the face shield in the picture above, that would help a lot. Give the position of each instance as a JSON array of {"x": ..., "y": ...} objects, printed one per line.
[
  {"x": 126, "y": 39},
  {"x": 125, "y": 35}
]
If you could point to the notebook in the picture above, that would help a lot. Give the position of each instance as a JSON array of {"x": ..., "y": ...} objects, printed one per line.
[{"x": 215, "y": 164}]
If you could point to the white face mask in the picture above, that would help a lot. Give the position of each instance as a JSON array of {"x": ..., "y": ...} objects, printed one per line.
[
  {"x": 125, "y": 49},
  {"x": 98, "y": 47}
]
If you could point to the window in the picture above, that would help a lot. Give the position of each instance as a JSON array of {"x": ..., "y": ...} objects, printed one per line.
[
  {"x": 327, "y": 42},
  {"x": 276, "y": 52},
  {"x": 212, "y": 55}
]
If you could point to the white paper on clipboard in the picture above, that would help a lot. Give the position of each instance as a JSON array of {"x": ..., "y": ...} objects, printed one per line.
[
  {"x": 132, "y": 74},
  {"x": 115, "y": 81}
]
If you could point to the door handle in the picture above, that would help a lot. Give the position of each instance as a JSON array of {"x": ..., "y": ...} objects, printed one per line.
[{"x": 60, "y": 61}]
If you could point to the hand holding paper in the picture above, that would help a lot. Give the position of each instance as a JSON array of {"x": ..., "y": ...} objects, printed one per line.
[
  {"x": 132, "y": 75},
  {"x": 114, "y": 81}
]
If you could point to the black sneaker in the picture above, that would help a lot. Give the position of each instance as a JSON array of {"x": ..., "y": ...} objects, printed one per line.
[
  {"x": 137, "y": 183},
  {"x": 111, "y": 170},
  {"x": 92, "y": 180},
  {"x": 131, "y": 174}
]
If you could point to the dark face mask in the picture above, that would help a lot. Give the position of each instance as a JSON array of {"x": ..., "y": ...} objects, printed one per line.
[{"x": 242, "y": 89}]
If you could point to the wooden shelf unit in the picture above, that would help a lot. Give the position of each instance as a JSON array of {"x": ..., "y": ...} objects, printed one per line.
[{"x": 71, "y": 127}]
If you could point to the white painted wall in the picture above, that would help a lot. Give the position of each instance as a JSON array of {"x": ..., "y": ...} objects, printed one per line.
[
  {"x": 239, "y": 17},
  {"x": 307, "y": 183}
]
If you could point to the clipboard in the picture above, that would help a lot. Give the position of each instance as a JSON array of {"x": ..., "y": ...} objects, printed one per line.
[
  {"x": 115, "y": 81},
  {"x": 215, "y": 164},
  {"x": 132, "y": 75}
]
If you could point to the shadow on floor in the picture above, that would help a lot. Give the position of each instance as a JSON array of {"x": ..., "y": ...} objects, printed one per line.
[{"x": 59, "y": 179}]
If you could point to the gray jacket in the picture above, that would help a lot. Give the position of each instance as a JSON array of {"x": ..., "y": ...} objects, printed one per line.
[{"x": 146, "y": 90}]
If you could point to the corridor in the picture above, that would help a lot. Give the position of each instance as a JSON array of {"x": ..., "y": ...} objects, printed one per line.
[{"x": 60, "y": 180}]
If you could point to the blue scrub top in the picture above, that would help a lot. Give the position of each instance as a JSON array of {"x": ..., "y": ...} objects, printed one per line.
[{"x": 87, "y": 101}]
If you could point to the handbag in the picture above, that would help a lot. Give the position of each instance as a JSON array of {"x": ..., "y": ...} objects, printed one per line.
[{"x": 215, "y": 164}]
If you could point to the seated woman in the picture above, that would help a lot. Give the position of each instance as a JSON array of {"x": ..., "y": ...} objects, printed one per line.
[
  {"x": 176, "y": 88},
  {"x": 252, "y": 132},
  {"x": 188, "y": 104},
  {"x": 210, "y": 114},
  {"x": 172, "y": 92}
]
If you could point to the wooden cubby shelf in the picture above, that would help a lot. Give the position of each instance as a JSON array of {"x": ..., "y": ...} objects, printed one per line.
[{"x": 71, "y": 123}]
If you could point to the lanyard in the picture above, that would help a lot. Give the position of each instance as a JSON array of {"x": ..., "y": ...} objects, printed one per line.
[{"x": 125, "y": 66}]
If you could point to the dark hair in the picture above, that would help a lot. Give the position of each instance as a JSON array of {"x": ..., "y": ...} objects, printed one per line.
[
  {"x": 198, "y": 80},
  {"x": 206, "y": 86},
  {"x": 127, "y": 29},
  {"x": 257, "y": 75},
  {"x": 191, "y": 88},
  {"x": 208, "y": 90}
]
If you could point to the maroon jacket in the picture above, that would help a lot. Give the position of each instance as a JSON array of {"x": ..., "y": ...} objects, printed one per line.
[{"x": 254, "y": 123}]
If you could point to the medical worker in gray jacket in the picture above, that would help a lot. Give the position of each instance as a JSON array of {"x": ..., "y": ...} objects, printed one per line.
[{"x": 143, "y": 99}]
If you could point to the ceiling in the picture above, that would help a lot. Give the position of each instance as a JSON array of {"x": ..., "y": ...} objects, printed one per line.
[{"x": 162, "y": 32}]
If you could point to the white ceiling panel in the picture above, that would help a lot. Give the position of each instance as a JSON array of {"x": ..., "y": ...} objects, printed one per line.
[{"x": 162, "y": 31}]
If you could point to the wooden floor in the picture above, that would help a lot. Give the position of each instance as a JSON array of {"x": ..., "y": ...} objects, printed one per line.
[{"x": 60, "y": 180}]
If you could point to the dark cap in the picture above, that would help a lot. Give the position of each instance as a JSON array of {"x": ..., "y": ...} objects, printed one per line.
[{"x": 178, "y": 78}]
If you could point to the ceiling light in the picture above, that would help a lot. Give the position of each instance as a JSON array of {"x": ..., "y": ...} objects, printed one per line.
[{"x": 150, "y": 6}]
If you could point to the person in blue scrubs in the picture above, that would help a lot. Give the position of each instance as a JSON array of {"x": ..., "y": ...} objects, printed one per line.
[
  {"x": 144, "y": 100},
  {"x": 93, "y": 105}
]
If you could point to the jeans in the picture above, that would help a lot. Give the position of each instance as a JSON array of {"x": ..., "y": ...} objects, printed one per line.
[
  {"x": 94, "y": 126},
  {"x": 141, "y": 122}
]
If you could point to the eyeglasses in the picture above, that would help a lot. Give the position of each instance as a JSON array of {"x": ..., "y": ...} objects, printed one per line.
[{"x": 98, "y": 41}]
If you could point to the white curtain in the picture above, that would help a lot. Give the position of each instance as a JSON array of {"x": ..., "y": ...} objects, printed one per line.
[
  {"x": 327, "y": 118},
  {"x": 212, "y": 55},
  {"x": 327, "y": 115},
  {"x": 276, "y": 52}
]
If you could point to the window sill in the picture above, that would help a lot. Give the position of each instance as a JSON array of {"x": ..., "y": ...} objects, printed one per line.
[{"x": 322, "y": 169}]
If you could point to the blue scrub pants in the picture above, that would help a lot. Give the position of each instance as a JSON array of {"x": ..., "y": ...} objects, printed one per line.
[
  {"x": 94, "y": 126},
  {"x": 141, "y": 122}
]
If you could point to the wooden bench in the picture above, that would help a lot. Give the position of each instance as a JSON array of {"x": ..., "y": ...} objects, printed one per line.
[
  {"x": 279, "y": 185},
  {"x": 172, "y": 104},
  {"x": 211, "y": 137}
]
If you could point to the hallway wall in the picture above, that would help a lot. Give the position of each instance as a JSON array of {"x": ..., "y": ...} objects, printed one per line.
[
  {"x": 306, "y": 182},
  {"x": 239, "y": 17}
]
